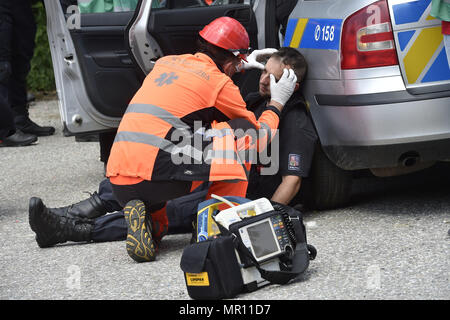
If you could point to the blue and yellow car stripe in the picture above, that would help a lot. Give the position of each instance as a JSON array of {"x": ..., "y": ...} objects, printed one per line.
[
  {"x": 422, "y": 53},
  {"x": 313, "y": 33},
  {"x": 410, "y": 12},
  {"x": 294, "y": 32}
]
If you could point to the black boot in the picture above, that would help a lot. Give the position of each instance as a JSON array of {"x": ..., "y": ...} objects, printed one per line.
[
  {"x": 57, "y": 226},
  {"x": 89, "y": 208}
]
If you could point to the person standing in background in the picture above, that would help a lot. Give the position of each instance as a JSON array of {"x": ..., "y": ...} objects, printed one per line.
[{"x": 17, "y": 41}]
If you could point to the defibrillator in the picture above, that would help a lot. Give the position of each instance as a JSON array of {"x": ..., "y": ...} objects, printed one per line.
[
  {"x": 206, "y": 226},
  {"x": 265, "y": 236}
]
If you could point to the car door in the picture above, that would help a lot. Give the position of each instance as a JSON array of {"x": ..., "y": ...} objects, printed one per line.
[
  {"x": 94, "y": 73},
  {"x": 173, "y": 26},
  {"x": 100, "y": 59}
]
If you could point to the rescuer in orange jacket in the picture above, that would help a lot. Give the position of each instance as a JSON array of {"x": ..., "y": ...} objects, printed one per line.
[{"x": 179, "y": 130}]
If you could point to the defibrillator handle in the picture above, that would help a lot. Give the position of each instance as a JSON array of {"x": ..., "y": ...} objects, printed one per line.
[{"x": 287, "y": 222}]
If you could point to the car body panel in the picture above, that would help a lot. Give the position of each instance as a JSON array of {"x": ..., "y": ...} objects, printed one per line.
[
  {"x": 358, "y": 110},
  {"x": 420, "y": 46}
]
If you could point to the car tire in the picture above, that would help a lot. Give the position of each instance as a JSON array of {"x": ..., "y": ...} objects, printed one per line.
[{"x": 328, "y": 186}]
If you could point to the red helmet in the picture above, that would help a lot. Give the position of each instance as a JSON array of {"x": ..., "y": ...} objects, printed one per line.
[{"x": 229, "y": 34}]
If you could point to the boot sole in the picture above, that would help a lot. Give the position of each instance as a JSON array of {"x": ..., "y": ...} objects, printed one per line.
[
  {"x": 26, "y": 143},
  {"x": 35, "y": 207},
  {"x": 139, "y": 243}
]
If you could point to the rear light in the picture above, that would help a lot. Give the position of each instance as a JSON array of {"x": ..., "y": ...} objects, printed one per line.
[{"x": 367, "y": 38}]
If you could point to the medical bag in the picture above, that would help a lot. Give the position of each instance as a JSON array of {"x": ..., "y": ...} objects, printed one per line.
[{"x": 244, "y": 247}]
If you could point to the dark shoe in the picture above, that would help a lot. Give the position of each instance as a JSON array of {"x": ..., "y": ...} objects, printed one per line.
[
  {"x": 18, "y": 139},
  {"x": 89, "y": 208},
  {"x": 140, "y": 245},
  {"x": 56, "y": 227},
  {"x": 87, "y": 137},
  {"x": 25, "y": 124}
]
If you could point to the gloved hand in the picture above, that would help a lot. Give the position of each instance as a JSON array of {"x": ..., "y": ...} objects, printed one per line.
[
  {"x": 253, "y": 57},
  {"x": 282, "y": 90}
]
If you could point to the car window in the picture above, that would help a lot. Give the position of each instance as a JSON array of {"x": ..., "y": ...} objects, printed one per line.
[
  {"x": 179, "y": 4},
  {"x": 222, "y": 2},
  {"x": 100, "y": 6}
]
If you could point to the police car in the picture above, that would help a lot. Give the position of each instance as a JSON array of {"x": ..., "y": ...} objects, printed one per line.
[{"x": 378, "y": 84}]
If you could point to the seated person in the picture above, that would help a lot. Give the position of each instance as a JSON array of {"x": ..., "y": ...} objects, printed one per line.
[
  {"x": 88, "y": 221},
  {"x": 297, "y": 136}
]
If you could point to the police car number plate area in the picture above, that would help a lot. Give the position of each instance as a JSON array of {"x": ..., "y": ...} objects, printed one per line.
[{"x": 313, "y": 33}]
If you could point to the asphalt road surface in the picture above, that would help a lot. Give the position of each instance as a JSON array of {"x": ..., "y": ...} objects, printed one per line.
[{"x": 390, "y": 243}]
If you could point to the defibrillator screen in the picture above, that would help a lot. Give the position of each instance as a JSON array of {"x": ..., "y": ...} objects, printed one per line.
[{"x": 262, "y": 239}]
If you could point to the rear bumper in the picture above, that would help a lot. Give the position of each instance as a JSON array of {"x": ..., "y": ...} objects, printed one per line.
[
  {"x": 377, "y": 130},
  {"x": 392, "y": 97},
  {"x": 363, "y": 157}
]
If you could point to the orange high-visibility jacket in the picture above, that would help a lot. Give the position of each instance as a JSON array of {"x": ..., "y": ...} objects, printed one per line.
[{"x": 175, "y": 127}]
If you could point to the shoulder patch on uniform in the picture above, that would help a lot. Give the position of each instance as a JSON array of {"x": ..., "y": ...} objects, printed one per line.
[{"x": 294, "y": 162}]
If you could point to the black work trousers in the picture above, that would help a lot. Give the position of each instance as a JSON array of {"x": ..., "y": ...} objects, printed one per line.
[
  {"x": 180, "y": 212},
  {"x": 6, "y": 118},
  {"x": 17, "y": 36}
]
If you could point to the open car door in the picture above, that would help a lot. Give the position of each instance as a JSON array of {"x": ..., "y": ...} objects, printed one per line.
[
  {"x": 101, "y": 58},
  {"x": 94, "y": 73}
]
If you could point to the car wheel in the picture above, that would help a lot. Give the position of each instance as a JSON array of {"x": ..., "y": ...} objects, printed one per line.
[{"x": 327, "y": 186}]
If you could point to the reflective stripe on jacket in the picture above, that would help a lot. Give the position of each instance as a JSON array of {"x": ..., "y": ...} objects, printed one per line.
[{"x": 166, "y": 132}]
